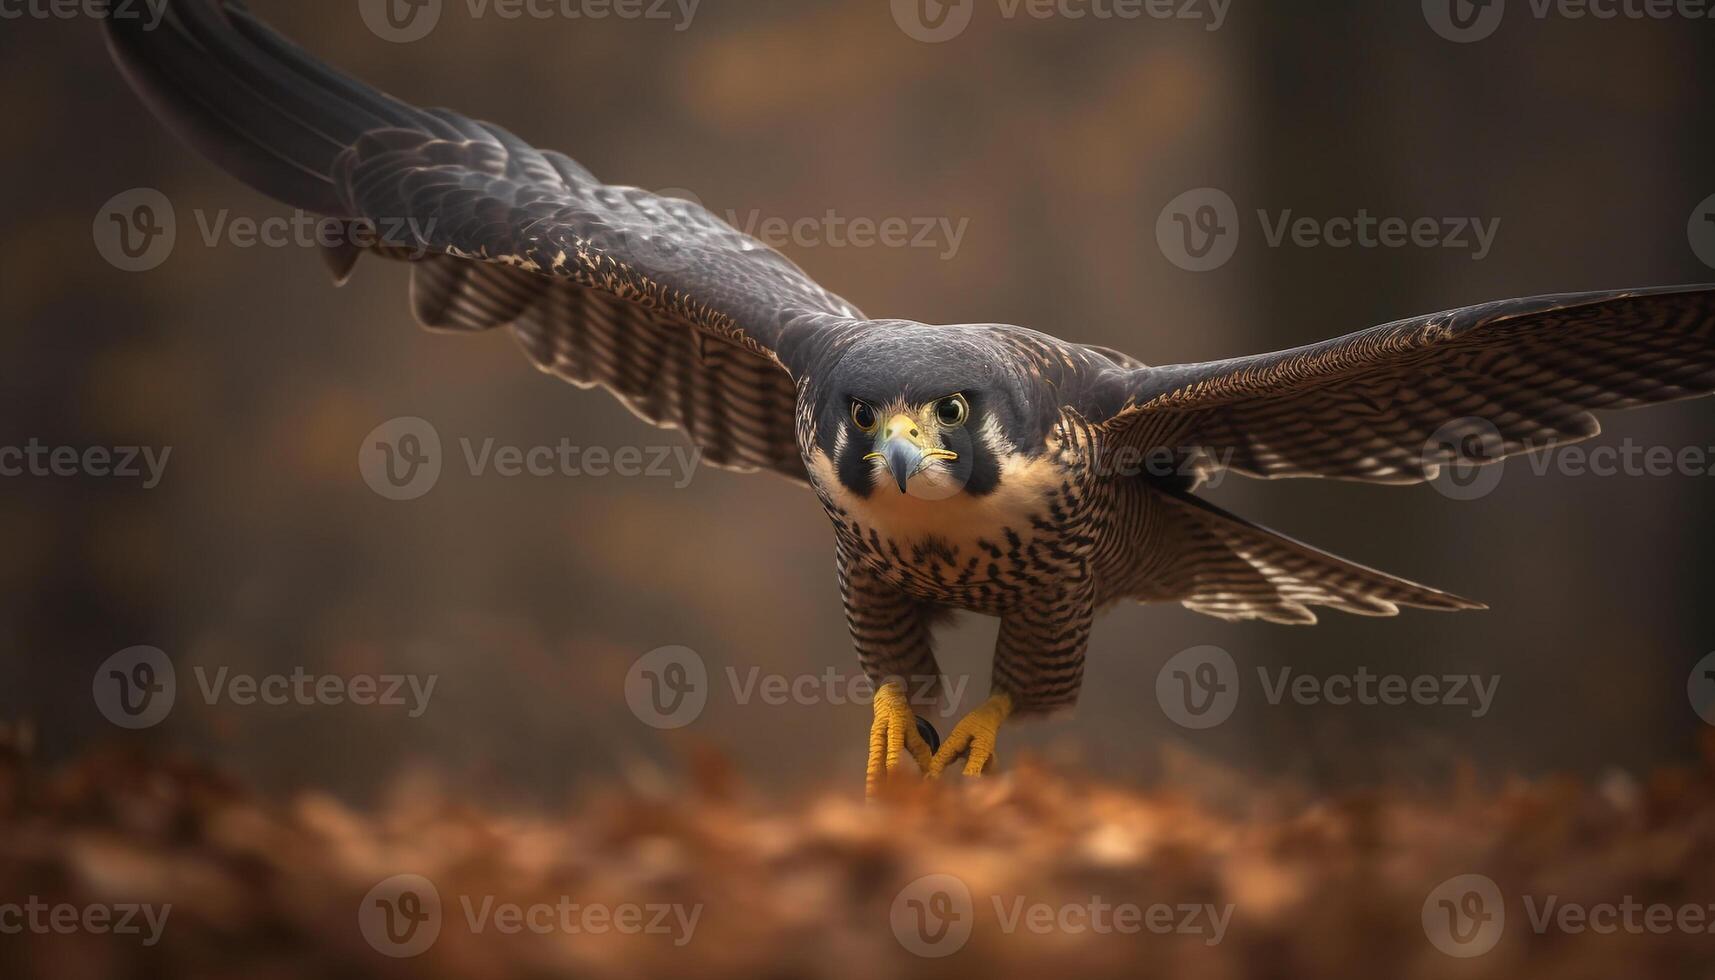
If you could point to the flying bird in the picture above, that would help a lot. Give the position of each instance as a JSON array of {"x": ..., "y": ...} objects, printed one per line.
[{"x": 980, "y": 467}]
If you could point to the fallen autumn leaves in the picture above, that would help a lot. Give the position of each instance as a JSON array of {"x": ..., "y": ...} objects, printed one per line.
[{"x": 1060, "y": 874}]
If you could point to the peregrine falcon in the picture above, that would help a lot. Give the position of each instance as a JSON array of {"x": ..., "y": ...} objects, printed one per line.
[{"x": 980, "y": 467}]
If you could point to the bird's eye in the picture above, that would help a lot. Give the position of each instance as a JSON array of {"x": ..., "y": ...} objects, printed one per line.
[
  {"x": 952, "y": 410},
  {"x": 863, "y": 415}
]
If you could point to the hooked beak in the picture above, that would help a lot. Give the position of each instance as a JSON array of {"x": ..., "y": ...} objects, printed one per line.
[{"x": 902, "y": 445}]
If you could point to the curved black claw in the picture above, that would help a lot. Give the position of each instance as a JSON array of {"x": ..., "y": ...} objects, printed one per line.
[{"x": 928, "y": 732}]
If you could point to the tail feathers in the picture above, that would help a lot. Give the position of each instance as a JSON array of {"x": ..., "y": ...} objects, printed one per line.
[
  {"x": 252, "y": 101},
  {"x": 1225, "y": 566}
]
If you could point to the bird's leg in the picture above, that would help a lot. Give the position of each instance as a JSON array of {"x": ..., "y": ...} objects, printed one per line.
[
  {"x": 892, "y": 734},
  {"x": 1038, "y": 665},
  {"x": 892, "y": 632},
  {"x": 974, "y": 737}
]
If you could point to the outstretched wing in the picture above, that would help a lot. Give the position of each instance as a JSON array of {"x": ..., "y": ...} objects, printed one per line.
[
  {"x": 1515, "y": 376},
  {"x": 1221, "y": 565},
  {"x": 677, "y": 313}
]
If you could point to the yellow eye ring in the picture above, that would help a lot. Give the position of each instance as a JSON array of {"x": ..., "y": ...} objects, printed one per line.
[
  {"x": 863, "y": 416},
  {"x": 952, "y": 411}
]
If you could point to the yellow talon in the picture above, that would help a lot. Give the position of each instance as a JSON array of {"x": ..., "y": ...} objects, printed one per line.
[
  {"x": 891, "y": 735},
  {"x": 974, "y": 737}
]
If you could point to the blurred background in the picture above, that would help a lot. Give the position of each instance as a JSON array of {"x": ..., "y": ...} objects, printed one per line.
[{"x": 1055, "y": 144}]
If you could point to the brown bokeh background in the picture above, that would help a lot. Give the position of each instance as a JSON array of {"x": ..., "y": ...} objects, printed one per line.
[{"x": 1060, "y": 142}]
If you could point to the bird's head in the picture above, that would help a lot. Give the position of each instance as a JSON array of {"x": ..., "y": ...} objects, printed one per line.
[{"x": 921, "y": 411}]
